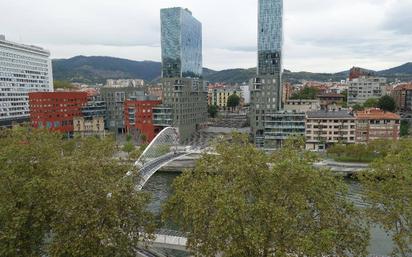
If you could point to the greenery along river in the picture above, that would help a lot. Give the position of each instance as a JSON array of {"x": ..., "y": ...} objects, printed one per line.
[{"x": 160, "y": 187}]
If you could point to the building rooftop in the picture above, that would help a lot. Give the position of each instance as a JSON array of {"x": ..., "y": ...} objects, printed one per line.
[
  {"x": 376, "y": 114},
  {"x": 403, "y": 87},
  {"x": 328, "y": 95},
  {"x": 324, "y": 114}
]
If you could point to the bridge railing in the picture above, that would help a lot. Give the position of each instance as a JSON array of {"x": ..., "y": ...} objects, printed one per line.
[{"x": 162, "y": 144}]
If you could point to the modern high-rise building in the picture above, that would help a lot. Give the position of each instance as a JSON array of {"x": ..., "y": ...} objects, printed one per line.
[
  {"x": 184, "y": 91},
  {"x": 266, "y": 88},
  {"x": 23, "y": 69},
  {"x": 270, "y": 37},
  {"x": 181, "y": 44}
]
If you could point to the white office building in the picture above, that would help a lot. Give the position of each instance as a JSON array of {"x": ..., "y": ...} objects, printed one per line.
[{"x": 23, "y": 69}]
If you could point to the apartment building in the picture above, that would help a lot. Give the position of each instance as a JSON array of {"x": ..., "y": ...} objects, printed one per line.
[
  {"x": 114, "y": 98},
  {"x": 302, "y": 105},
  {"x": 402, "y": 95},
  {"x": 56, "y": 110},
  {"x": 374, "y": 124},
  {"x": 325, "y": 128},
  {"x": 363, "y": 88},
  {"x": 23, "y": 69},
  {"x": 279, "y": 126},
  {"x": 138, "y": 115},
  {"x": 89, "y": 126}
]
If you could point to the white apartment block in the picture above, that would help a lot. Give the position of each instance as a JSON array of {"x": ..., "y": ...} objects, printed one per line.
[
  {"x": 23, "y": 69},
  {"x": 364, "y": 88}
]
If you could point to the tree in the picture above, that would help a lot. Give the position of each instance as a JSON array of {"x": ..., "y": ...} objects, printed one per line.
[
  {"x": 306, "y": 93},
  {"x": 404, "y": 130},
  {"x": 213, "y": 110},
  {"x": 233, "y": 101},
  {"x": 67, "y": 198},
  {"x": 128, "y": 147},
  {"x": 143, "y": 138},
  {"x": 236, "y": 204},
  {"x": 27, "y": 162},
  {"x": 357, "y": 107},
  {"x": 388, "y": 191},
  {"x": 371, "y": 103},
  {"x": 62, "y": 84},
  {"x": 387, "y": 103}
]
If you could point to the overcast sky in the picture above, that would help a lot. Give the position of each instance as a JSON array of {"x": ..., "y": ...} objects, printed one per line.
[{"x": 320, "y": 35}]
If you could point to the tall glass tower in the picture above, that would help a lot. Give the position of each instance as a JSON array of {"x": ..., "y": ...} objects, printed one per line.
[
  {"x": 181, "y": 40},
  {"x": 270, "y": 37}
]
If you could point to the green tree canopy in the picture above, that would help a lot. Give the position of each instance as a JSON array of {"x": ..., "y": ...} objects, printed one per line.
[
  {"x": 387, "y": 103},
  {"x": 306, "y": 93},
  {"x": 233, "y": 101},
  {"x": 62, "y": 84},
  {"x": 67, "y": 198},
  {"x": 371, "y": 103},
  {"x": 212, "y": 110},
  {"x": 388, "y": 191},
  {"x": 242, "y": 202}
]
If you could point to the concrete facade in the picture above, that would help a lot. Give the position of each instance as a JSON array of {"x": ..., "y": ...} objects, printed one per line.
[{"x": 363, "y": 88}]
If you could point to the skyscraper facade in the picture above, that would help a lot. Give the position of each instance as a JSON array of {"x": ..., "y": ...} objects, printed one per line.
[
  {"x": 184, "y": 91},
  {"x": 181, "y": 44},
  {"x": 270, "y": 37},
  {"x": 266, "y": 88}
]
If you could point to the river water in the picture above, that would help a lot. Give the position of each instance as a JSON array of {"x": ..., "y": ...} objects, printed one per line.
[{"x": 160, "y": 188}]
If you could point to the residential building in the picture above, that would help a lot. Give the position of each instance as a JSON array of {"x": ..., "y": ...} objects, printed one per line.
[
  {"x": 331, "y": 101},
  {"x": 374, "y": 124},
  {"x": 245, "y": 89},
  {"x": 280, "y": 126},
  {"x": 23, "y": 69},
  {"x": 114, "y": 99},
  {"x": 56, "y": 110},
  {"x": 187, "y": 99},
  {"x": 125, "y": 83},
  {"x": 363, "y": 88},
  {"x": 138, "y": 114},
  {"x": 184, "y": 92},
  {"x": 325, "y": 128},
  {"x": 302, "y": 105},
  {"x": 89, "y": 126},
  {"x": 266, "y": 88},
  {"x": 402, "y": 95},
  {"x": 156, "y": 91},
  {"x": 219, "y": 95}
]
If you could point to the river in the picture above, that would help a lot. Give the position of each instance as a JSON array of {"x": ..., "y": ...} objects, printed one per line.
[{"x": 160, "y": 187}]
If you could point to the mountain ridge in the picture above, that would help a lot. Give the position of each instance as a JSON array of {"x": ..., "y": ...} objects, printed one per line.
[{"x": 97, "y": 69}]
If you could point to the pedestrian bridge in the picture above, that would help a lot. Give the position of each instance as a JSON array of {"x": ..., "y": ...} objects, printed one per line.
[{"x": 163, "y": 149}]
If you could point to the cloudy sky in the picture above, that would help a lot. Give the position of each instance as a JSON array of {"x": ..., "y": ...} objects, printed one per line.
[{"x": 320, "y": 35}]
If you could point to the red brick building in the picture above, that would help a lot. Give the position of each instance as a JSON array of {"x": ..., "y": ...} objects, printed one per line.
[
  {"x": 56, "y": 110},
  {"x": 374, "y": 124},
  {"x": 138, "y": 116}
]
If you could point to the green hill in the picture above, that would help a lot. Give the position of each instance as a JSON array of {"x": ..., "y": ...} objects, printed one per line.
[{"x": 97, "y": 69}]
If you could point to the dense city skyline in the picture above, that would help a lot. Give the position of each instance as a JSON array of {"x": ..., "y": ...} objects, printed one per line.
[{"x": 319, "y": 35}]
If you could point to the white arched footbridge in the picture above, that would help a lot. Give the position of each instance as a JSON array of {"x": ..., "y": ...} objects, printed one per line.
[{"x": 161, "y": 151}]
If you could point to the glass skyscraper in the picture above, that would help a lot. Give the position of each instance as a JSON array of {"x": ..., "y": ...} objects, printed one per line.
[
  {"x": 270, "y": 39},
  {"x": 181, "y": 36}
]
